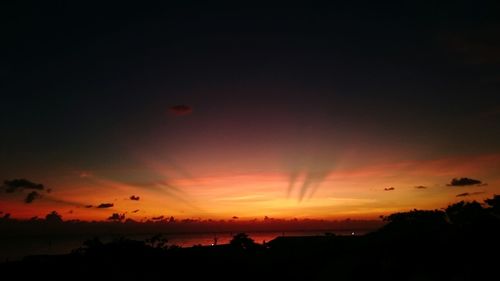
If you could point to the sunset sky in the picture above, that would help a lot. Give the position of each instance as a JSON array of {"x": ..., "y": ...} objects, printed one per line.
[{"x": 211, "y": 112}]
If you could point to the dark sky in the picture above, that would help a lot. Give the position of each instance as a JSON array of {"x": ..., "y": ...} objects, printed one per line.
[{"x": 90, "y": 87}]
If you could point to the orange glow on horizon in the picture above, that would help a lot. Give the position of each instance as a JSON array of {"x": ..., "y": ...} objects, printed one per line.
[{"x": 345, "y": 192}]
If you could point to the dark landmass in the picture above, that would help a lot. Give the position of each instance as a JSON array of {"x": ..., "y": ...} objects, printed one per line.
[
  {"x": 458, "y": 243},
  {"x": 53, "y": 224}
]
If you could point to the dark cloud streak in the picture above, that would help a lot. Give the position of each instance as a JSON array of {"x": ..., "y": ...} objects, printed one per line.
[
  {"x": 465, "y": 194},
  {"x": 21, "y": 184},
  {"x": 312, "y": 181},
  {"x": 105, "y": 205},
  {"x": 32, "y": 196},
  {"x": 464, "y": 182}
]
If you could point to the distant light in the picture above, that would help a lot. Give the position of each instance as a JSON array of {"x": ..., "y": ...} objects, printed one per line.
[
  {"x": 212, "y": 244},
  {"x": 353, "y": 233}
]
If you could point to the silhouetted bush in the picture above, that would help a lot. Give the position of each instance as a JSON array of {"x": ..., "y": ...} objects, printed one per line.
[
  {"x": 494, "y": 204},
  {"x": 53, "y": 217},
  {"x": 466, "y": 213},
  {"x": 415, "y": 222},
  {"x": 158, "y": 241}
]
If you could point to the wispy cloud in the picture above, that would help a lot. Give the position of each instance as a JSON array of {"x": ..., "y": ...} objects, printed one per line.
[
  {"x": 85, "y": 174},
  {"x": 308, "y": 178},
  {"x": 465, "y": 194}
]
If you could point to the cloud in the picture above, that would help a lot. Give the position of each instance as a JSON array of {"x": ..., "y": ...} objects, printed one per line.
[
  {"x": 64, "y": 201},
  {"x": 21, "y": 184},
  {"x": 157, "y": 218},
  {"x": 85, "y": 174},
  {"x": 421, "y": 187},
  {"x": 294, "y": 175},
  {"x": 180, "y": 110},
  {"x": 311, "y": 180},
  {"x": 117, "y": 217},
  {"x": 88, "y": 206},
  {"x": 464, "y": 182},
  {"x": 470, "y": 194},
  {"x": 31, "y": 197},
  {"x": 105, "y": 205},
  {"x": 135, "y": 198},
  {"x": 34, "y": 192},
  {"x": 307, "y": 170},
  {"x": 389, "y": 188},
  {"x": 135, "y": 211}
]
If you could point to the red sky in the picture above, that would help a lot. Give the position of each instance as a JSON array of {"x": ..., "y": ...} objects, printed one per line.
[{"x": 207, "y": 112}]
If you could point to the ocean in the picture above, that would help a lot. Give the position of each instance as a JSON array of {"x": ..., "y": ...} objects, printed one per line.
[{"x": 15, "y": 248}]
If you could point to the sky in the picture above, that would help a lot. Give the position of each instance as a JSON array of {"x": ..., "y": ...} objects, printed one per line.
[{"x": 346, "y": 110}]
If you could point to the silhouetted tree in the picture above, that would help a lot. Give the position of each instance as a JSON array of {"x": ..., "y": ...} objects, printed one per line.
[
  {"x": 243, "y": 241},
  {"x": 117, "y": 217},
  {"x": 53, "y": 217},
  {"x": 494, "y": 203},
  {"x": 415, "y": 222},
  {"x": 157, "y": 241},
  {"x": 94, "y": 243},
  {"x": 465, "y": 213}
]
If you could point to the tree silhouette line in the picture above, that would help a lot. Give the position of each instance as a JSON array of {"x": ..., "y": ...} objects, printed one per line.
[{"x": 458, "y": 242}]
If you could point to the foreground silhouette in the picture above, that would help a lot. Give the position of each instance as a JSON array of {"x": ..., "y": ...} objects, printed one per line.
[{"x": 458, "y": 243}]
